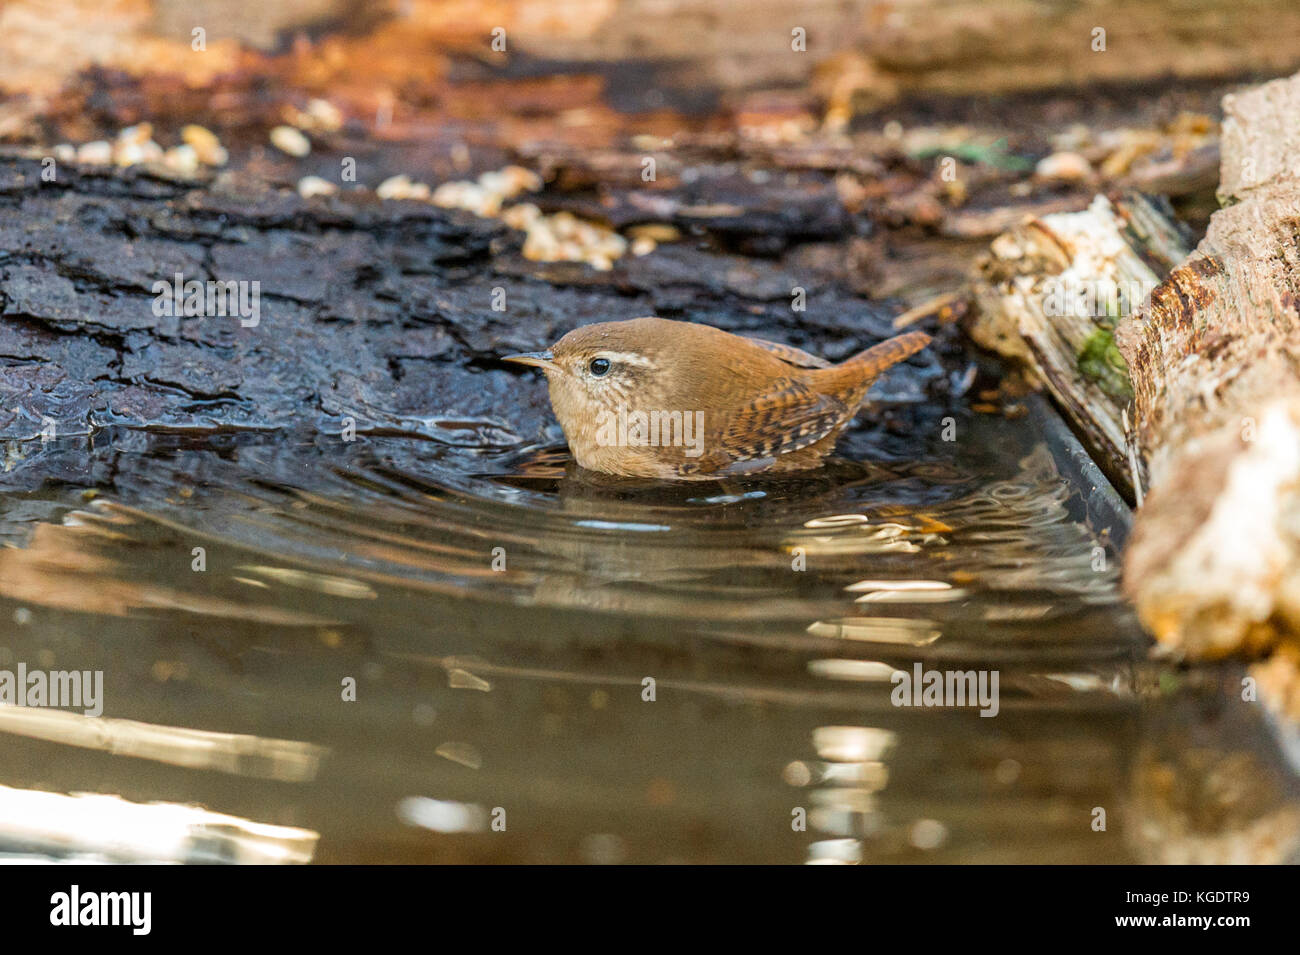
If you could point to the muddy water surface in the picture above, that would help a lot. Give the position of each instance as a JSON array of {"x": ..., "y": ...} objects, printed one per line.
[{"x": 395, "y": 651}]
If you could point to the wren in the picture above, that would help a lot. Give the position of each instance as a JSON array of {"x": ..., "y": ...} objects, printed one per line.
[{"x": 656, "y": 398}]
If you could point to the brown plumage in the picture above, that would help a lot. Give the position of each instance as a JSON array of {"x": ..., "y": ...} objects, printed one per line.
[{"x": 656, "y": 398}]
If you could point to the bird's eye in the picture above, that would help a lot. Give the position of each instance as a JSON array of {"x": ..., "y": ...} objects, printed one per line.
[{"x": 599, "y": 367}]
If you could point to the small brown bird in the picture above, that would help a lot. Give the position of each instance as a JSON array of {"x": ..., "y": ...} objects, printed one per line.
[{"x": 651, "y": 397}]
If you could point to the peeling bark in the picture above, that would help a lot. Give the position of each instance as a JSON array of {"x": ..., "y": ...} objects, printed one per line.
[
  {"x": 1213, "y": 565},
  {"x": 1051, "y": 293},
  {"x": 1213, "y": 360}
]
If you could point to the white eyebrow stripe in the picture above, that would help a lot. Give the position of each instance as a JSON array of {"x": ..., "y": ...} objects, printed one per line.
[{"x": 626, "y": 358}]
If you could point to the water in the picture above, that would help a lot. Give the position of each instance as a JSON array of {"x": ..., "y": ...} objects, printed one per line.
[{"x": 551, "y": 667}]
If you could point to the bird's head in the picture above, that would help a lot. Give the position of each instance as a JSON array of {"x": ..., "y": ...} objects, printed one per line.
[{"x": 602, "y": 367}]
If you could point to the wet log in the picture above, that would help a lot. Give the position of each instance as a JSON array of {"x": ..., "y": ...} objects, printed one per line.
[
  {"x": 1213, "y": 565},
  {"x": 384, "y": 317},
  {"x": 1050, "y": 295},
  {"x": 1212, "y": 358}
]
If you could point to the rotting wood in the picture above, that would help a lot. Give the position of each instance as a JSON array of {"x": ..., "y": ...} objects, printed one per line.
[
  {"x": 1213, "y": 565},
  {"x": 1213, "y": 360},
  {"x": 1050, "y": 294}
]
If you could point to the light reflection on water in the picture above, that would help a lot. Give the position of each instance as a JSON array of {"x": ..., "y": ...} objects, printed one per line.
[{"x": 500, "y": 619}]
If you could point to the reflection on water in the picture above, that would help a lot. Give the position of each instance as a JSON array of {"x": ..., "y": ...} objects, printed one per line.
[
  {"x": 93, "y": 828},
  {"x": 387, "y": 652},
  {"x": 198, "y": 749}
]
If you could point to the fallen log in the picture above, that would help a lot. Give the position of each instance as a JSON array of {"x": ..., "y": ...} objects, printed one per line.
[
  {"x": 1211, "y": 362},
  {"x": 1051, "y": 293},
  {"x": 1213, "y": 565}
]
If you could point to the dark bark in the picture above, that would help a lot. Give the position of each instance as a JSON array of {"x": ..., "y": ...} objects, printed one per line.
[{"x": 376, "y": 311}]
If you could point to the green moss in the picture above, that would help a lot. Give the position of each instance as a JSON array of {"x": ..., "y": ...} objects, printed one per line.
[
  {"x": 1101, "y": 362},
  {"x": 994, "y": 154}
]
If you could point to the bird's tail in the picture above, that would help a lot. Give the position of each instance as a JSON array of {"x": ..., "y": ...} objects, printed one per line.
[
  {"x": 850, "y": 380},
  {"x": 890, "y": 352}
]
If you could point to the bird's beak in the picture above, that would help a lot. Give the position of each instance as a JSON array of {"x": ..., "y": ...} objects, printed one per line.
[{"x": 542, "y": 359}]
